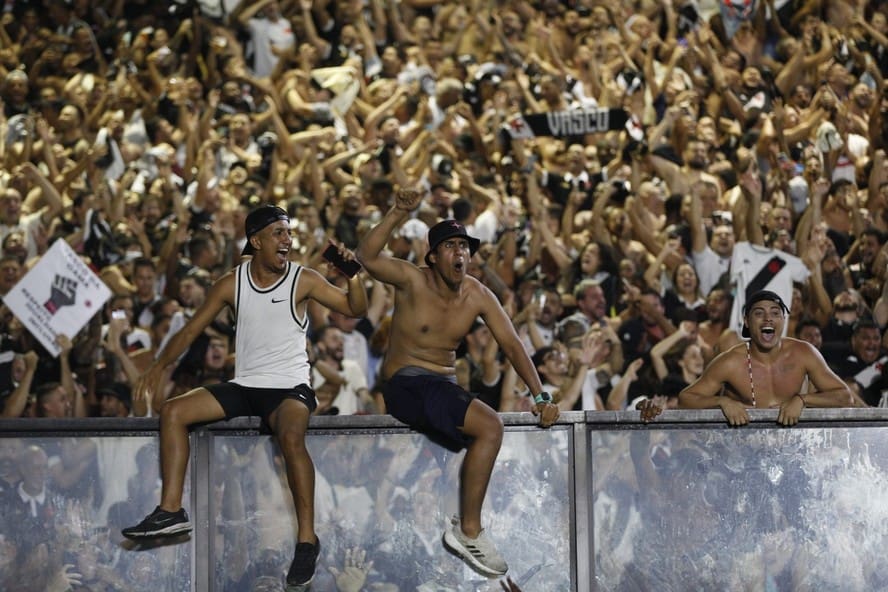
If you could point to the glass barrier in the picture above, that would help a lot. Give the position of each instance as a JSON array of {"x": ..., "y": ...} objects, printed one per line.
[
  {"x": 386, "y": 494},
  {"x": 63, "y": 501},
  {"x": 598, "y": 502},
  {"x": 725, "y": 509},
  {"x": 388, "y": 497}
]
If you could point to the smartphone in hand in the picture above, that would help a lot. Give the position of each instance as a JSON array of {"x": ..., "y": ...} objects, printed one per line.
[{"x": 348, "y": 267}]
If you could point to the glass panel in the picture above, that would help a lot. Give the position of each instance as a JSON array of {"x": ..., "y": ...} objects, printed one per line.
[
  {"x": 389, "y": 496},
  {"x": 721, "y": 509},
  {"x": 63, "y": 501}
]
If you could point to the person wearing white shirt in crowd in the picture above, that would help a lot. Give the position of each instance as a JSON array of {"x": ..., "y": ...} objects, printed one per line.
[
  {"x": 536, "y": 323},
  {"x": 12, "y": 215},
  {"x": 355, "y": 347},
  {"x": 270, "y": 34},
  {"x": 134, "y": 337},
  {"x": 409, "y": 241},
  {"x": 484, "y": 221},
  {"x": 37, "y": 501},
  {"x": 344, "y": 376}
]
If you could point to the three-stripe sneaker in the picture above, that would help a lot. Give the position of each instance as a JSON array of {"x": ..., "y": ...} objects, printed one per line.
[
  {"x": 159, "y": 523},
  {"x": 479, "y": 552}
]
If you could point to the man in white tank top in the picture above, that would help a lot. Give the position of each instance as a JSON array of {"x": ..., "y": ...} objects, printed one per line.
[{"x": 268, "y": 294}]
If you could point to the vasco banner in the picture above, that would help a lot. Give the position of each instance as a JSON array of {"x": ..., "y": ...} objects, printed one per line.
[{"x": 574, "y": 122}]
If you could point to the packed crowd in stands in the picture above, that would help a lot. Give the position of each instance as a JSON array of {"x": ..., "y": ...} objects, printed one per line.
[
  {"x": 753, "y": 156},
  {"x": 142, "y": 133}
]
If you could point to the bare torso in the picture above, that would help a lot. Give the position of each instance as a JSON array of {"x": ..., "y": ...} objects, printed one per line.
[
  {"x": 429, "y": 323},
  {"x": 777, "y": 377}
]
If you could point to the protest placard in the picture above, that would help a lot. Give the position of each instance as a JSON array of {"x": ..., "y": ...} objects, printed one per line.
[{"x": 59, "y": 295}]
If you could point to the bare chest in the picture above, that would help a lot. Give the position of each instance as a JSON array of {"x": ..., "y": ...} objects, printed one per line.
[
  {"x": 431, "y": 318},
  {"x": 766, "y": 385}
]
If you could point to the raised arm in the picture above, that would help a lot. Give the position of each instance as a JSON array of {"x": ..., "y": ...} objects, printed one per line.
[
  {"x": 810, "y": 220},
  {"x": 731, "y": 101},
  {"x": 386, "y": 108},
  {"x": 751, "y": 185},
  {"x": 616, "y": 400},
  {"x": 244, "y": 11},
  {"x": 51, "y": 196},
  {"x": 658, "y": 352},
  {"x": 113, "y": 345},
  {"x": 821, "y": 303},
  {"x": 15, "y": 404},
  {"x": 351, "y": 302},
  {"x": 221, "y": 294},
  {"x": 695, "y": 220},
  {"x": 311, "y": 34},
  {"x": 66, "y": 377},
  {"x": 383, "y": 266},
  {"x": 665, "y": 169},
  {"x": 593, "y": 354},
  {"x": 503, "y": 331}
]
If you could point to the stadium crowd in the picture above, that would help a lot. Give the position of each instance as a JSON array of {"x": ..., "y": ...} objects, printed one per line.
[
  {"x": 725, "y": 147},
  {"x": 752, "y": 155}
]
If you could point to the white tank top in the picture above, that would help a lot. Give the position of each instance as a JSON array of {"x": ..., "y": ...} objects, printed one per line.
[{"x": 270, "y": 335}]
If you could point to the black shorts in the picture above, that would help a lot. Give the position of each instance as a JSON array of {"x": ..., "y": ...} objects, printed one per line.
[
  {"x": 240, "y": 401},
  {"x": 430, "y": 403}
]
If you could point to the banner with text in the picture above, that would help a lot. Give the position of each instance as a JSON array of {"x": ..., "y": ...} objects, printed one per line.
[
  {"x": 575, "y": 122},
  {"x": 59, "y": 295}
]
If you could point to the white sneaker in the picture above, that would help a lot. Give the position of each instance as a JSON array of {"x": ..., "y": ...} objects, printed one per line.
[{"x": 479, "y": 553}]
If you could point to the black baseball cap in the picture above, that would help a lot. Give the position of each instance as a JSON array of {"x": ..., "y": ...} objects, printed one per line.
[
  {"x": 259, "y": 219},
  {"x": 119, "y": 391},
  {"x": 758, "y": 297},
  {"x": 448, "y": 229}
]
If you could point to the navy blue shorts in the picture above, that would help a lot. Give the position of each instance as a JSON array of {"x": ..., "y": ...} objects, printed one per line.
[
  {"x": 430, "y": 403},
  {"x": 240, "y": 401}
]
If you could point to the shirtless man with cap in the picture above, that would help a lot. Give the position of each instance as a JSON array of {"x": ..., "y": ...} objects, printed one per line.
[
  {"x": 435, "y": 306},
  {"x": 268, "y": 295},
  {"x": 767, "y": 371}
]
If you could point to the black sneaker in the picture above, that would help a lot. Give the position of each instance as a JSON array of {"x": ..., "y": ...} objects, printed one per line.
[
  {"x": 159, "y": 523},
  {"x": 303, "y": 567}
]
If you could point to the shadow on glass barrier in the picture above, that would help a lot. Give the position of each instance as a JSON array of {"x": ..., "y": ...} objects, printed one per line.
[
  {"x": 63, "y": 501},
  {"x": 382, "y": 503},
  {"x": 770, "y": 509}
]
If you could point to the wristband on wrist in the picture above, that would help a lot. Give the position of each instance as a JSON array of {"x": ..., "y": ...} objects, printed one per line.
[
  {"x": 799, "y": 395},
  {"x": 542, "y": 397}
]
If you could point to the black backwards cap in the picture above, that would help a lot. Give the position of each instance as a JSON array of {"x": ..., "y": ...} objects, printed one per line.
[
  {"x": 758, "y": 297},
  {"x": 119, "y": 391},
  {"x": 259, "y": 219},
  {"x": 448, "y": 229}
]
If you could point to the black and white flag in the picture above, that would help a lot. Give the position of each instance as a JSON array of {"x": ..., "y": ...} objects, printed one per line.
[{"x": 573, "y": 122}]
